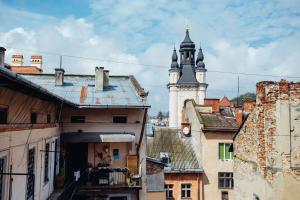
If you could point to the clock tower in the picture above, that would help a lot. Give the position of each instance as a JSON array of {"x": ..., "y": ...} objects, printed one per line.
[{"x": 187, "y": 80}]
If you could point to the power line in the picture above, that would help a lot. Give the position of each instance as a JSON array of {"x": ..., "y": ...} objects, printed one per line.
[{"x": 152, "y": 65}]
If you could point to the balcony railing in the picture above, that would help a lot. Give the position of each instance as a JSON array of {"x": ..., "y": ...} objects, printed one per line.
[{"x": 104, "y": 177}]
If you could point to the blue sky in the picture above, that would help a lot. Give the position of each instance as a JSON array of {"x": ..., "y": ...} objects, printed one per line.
[{"x": 238, "y": 36}]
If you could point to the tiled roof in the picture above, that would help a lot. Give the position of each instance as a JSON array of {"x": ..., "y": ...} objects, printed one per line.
[
  {"x": 183, "y": 158},
  {"x": 218, "y": 121},
  {"x": 80, "y": 90}
]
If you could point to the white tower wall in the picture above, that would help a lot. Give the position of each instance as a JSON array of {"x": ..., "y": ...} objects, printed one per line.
[{"x": 173, "y": 110}]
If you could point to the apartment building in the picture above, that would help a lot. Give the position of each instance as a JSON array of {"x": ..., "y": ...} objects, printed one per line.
[{"x": 97, "y": 139}]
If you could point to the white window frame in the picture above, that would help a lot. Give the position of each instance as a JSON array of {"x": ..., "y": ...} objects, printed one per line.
[
  {"x": 169, "y": 187},
  {"x": 185, "y": 189},
  {"x": 224, "y": 151}
]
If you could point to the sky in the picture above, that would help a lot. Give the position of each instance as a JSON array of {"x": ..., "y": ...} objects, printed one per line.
[{"x": 137, "y": 37}]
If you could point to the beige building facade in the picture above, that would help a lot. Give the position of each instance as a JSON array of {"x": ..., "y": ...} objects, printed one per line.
[{"x": 212, "y": 135}]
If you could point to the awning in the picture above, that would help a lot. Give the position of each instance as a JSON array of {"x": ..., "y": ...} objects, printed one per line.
[
  {"x": 87, "y": 137},
  {"x": 117, "y": 137}
]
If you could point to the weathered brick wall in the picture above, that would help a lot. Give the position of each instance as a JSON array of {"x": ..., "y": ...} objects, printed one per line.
[{"x": 267, "y": 146}]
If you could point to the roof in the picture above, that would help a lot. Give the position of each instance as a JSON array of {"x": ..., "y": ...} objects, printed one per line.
[
  {"x": 217, "y": 121},
  {"x": 123, "y": 91},
  {"x": 182, "y": 156},
  {"x": 17, "y": 82},
  {"x": 188, "y": 75}
]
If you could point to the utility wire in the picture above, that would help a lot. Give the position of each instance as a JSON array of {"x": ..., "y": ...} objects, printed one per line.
[{"x": 150, "y": 65}]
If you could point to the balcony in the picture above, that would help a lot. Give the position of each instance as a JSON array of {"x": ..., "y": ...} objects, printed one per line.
[{"x": 101, "y": 181}]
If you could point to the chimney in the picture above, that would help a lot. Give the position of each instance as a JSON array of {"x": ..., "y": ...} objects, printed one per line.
[
  {"x": 101, "y": 78},
  {"x": 2, "y": 56},
  {"x": 17, "y": 60},
  {"x": 59, "y": 76},
  {"x": 36, "y": 61}
]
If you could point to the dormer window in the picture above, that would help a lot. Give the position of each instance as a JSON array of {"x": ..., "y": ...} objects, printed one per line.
[{"x": 165, "y": 158}]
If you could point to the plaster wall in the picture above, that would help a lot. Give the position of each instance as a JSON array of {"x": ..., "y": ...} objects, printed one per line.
[
  {"x": 183, "y": 178},
  {"x": 267, "y": 149},
  {"x": 18, "y": 136}
]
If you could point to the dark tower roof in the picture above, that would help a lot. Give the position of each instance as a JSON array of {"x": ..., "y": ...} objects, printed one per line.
[
  {"x": 187, "y": 42},
  {"x": 200, "y": 58},
  {"x": 174, "y": 60}
]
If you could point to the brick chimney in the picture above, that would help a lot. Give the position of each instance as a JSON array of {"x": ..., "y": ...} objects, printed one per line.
[
  {"x": 101, "y": 78},
  {"x": 36, "y": 61},
  {"x": 2, "y": 56},
  {"x": 59, "y": 76},
  {"x": 17, "y": 60}
]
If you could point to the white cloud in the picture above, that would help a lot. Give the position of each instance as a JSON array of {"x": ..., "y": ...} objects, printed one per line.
[{"x": 249, "y": 37}]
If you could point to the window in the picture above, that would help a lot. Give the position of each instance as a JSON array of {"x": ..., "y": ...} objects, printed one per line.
[
  {"x": 48, "y": 118},
  {"x": 116, "y": 154},
  {"x": 46, "y": 164},
  {"x": 224, "y": 195},
  {"x": 225, "y": 180},
  {"x": 169, "y": 190},
  {"x": 224, "y": 153},
  {"x": 2, "y": 177},
  {"x": 77, "y": 119},
  {"x": 30, "y": 178},
  {"x": 186, "y": 190},
  {"x": 33, "y": 118},
  {"x": 3, "y": 115},
  {"x": 120, "y": 119}
]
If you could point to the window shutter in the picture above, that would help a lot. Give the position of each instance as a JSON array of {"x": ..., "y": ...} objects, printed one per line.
[
  {"x": 227, "y": 153},
  {"x": 132, "y": 164},
  {"x": 221, "y": 151}
]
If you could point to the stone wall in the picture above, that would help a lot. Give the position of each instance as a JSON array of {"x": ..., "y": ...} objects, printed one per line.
[{"x": 266, "y": 150}]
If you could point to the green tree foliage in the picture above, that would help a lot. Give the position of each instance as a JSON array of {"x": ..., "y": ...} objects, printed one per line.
[{"x": 244, "y": 97}]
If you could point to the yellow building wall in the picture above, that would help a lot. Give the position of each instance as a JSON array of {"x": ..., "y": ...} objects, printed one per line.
[
  {"x": 156, "y": 195},
  {"x": 176, "y": 179}
]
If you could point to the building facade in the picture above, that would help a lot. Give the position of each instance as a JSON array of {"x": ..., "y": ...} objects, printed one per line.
[
  {"x": 267, "y": 146},
  {"x": 212, "y": 127},
  {"x": 187, "y": 80},
  {"x": 183, "y": 173},
  {"x": 86, "y": 131}
]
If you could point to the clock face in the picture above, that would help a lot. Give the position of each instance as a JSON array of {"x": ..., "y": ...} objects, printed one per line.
[{"x": 186, "y": 131}]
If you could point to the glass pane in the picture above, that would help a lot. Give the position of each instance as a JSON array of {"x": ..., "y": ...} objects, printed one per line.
[
  {"x": 227, "y": 153},
  {"x": 221, "y": 151}
]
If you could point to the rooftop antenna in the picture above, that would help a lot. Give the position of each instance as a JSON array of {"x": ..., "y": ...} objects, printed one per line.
[
  {"x": 238, "y": 91},
  {"x": 60, "y": 62}
]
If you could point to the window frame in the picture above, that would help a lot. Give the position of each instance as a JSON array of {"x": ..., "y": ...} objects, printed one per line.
[
  {"x": 223, "y": 158},
  {"x": 46, "y": 163},
  {"x": 5, "y": 111},
  {"x": 77, "y": 119},
  {"x": 33, "y": 117},
  {"x": 30, "y": 188},
  {"x": 169, "y": 191},
  {"x": 186, "y": 190},
  {"x": 118, "y": 154},
  {"x": 224, "y": 193},
  {"x": 49, "y": 118},
  {"x": 222, "y": 176},
  {"x": 115, "y": 121},
  {"x": 3, "y": 168}
]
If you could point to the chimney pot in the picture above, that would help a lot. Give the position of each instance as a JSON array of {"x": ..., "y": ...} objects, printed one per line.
[
  {"x": 2, "y": 56},
  {"x": 101, "y": 78},
  {"x": 59, "y": 76}
]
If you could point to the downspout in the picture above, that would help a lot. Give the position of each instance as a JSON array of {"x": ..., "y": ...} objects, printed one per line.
[{"x": 290, "y": 125}]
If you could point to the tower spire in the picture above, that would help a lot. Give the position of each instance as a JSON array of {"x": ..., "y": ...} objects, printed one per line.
[
  {"x": 174, "y": 64},
  {"x": 200, "y": 58}
]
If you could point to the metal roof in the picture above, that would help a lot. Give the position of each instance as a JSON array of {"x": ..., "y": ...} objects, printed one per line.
[
  {"x": 182, "y": 156},
  {"x": 80, "y": 90}
]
